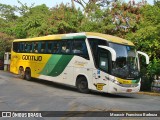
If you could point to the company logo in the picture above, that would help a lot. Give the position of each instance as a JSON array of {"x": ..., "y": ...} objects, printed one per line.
[
  {"x": 21, "y": 114},
  {"x": 32, "y": 57},
  {"x": 99, "y": 86},
  {"x": 6, "y": 114}
]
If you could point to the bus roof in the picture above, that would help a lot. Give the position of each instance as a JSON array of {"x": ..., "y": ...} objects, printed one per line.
[{"x": 106, "y": 37}]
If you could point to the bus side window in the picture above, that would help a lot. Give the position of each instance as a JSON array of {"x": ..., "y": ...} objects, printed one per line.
[
  {"x": 56, "y": 48},
  {"x": 66, "y": 47},
  {"x": 32, "y": 49},
  {"x": 42, "y": 47},
  {"x": 77, "y": 47},
  {"x": 16, "y": 46},
  {"x": 35, "y": 47},
  {"x": 20, "y": 47},
  {"x": 25, "y": 47},
  {"x": 28, "y": 47},
  {"x": 49, "y": 45},
  {"x": 80, "y": 48}
]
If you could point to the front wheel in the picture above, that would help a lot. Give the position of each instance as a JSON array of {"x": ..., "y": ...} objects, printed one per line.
[{"x": 82, "y": 85}]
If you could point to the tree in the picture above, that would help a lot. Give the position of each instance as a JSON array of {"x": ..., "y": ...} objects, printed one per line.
[
  {"x": 7, "y": 18},
  {"x": 157, "y": 3},
  {"x": 64, "y": 19},
  {"x": 33, "y": 22},
  {"x": 102, "y": 3},
  {"x": 5, "y": 43},
  {"x": 146, "y": 38},
  {"x": 23, "y": 9},
  {"x": 7, "y": 12}
]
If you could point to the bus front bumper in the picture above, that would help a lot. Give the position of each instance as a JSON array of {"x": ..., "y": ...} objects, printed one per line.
[{"x": 115, "y": 88}]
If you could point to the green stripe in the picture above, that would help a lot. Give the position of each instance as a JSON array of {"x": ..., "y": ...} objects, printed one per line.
[
  {"x": 135, "y": 81},
  {"x": 74, "y": 37},
  {"x": 56, "y": 65}
]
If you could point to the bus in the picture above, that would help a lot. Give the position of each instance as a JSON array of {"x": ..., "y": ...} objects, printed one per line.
[{"x": 87, "y": 61}]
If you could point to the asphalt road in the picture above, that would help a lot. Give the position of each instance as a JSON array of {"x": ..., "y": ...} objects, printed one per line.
[{"x": 39, "y": 95}]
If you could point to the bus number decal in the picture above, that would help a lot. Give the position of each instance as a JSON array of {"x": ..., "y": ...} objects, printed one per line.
[{"x": 99, "y": 86}]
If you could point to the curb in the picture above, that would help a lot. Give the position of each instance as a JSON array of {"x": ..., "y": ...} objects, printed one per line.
[{"x": 149, "y": 93}]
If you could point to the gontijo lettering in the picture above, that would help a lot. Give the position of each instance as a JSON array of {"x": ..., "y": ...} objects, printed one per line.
[{"x": 32, "y": 57}]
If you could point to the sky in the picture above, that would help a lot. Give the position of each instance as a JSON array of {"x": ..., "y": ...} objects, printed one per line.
[{"x": 49, "y": 3}]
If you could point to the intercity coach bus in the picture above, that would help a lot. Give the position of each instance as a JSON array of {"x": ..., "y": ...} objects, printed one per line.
[{"x": 88, "y": 61}]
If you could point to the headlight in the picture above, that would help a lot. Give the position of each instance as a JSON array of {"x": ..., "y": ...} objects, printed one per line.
[{"x": 113, "y": 80}]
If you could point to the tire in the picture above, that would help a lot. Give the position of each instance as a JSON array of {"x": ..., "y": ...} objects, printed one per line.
[
  {"x": 21, "y": 73},
  {"x": 28, "y": 74},
  {"x": 82, "y": 85}
]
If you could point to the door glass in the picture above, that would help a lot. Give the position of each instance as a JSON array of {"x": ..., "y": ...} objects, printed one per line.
[{"x": 103, "y": 59}]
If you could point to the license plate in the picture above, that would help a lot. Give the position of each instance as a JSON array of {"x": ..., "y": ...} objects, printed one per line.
[{"x": 129, "y": 90}]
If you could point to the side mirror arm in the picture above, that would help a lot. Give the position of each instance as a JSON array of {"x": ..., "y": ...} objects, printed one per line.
[
  {"x": 111, "y": 50},
  {"x": 146, "y": 56}
]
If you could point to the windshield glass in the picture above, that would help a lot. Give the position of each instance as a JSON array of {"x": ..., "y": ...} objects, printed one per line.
[{"x": 126, "y": 65}]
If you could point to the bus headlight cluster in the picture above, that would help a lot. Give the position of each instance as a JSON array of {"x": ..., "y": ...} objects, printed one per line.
[{"x": 113, "y": 80}]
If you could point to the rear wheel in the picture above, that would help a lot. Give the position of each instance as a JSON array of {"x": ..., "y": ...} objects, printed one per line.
[
  {"x": 28, "y": 74},
  {"x": 21, "y": 73},
  {"x": 82, "y": 85}
]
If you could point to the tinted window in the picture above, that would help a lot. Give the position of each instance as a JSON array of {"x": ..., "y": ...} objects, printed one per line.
[
  {"x": 74, "y": 47},
  {"x": 16, "y": 47},
  {"x": 35, "y": 47},
  {"x": 56, "y": 47},
  {"x": 28, "y": 47},
  {"x": 95, "y": 49},
  {"x": 22, "y": 46},
  {"x": 101, "y": 56},
  {"x": 42, "y": 47},
  {"x": 49, "y": 46},
  {"x": 103, "y": 60},
  {"x": 79, "y": 48},
  {"x": 66, "y": 47}
]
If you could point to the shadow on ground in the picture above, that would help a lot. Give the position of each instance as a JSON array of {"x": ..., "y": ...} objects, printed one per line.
[{"x": 73, "y": 89}]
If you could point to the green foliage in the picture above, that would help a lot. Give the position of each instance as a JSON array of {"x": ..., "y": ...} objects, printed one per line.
[
  {"x": 19, "y": 32},
  {"x": 148, "y": 73},
  {"x": 5, "y": 43},
  {"x": 64, "y": 19},
  {"x": 7, "y": 12},
  {"x": 23, "y": 9},
  {"x": 154, "y": 67},
  {"x": 151, "y": 15},
  {"x": 147, "y": 39},
  {"x": 157, "y": 3},
  {"x": 33, "y": 23}
]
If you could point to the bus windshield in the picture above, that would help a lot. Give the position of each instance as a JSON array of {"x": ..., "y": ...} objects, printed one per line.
[{"x": 126, "y": 64}]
